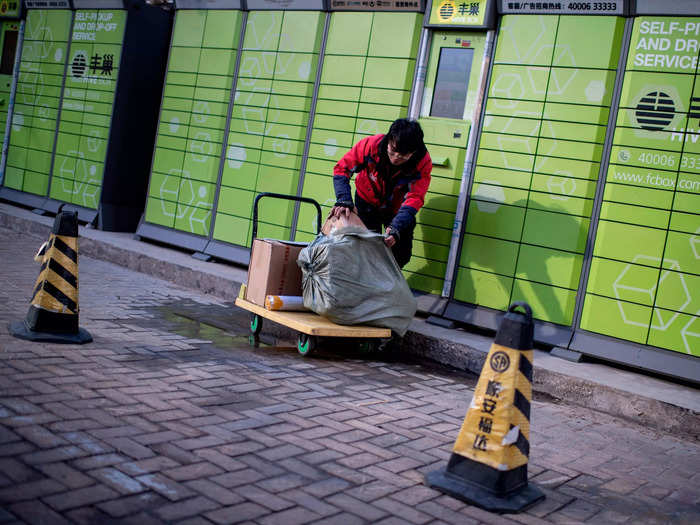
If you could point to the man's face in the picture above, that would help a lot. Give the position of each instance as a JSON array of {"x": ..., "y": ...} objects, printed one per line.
[{"x": 395, "y": 157}]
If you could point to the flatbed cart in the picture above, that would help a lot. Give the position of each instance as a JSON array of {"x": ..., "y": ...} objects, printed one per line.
[{"x": 310, "y": 326}]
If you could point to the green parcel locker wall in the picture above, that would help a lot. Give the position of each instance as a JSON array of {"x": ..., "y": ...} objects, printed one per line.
[
  {"x": 538, "y": 161},
  {"x": 34, "y": 118},
  {"x": 644, "y": 282},
  {"x": 86, "y": 107},
  {"x": 365, "y": 85},
  {"x": 267, "y": 128},
  {"x": 269, "y": 122},
  {"x": 192, "y": 121},
  {"x": 9, "y": 32},
  {"x": 77, "y": 70}
]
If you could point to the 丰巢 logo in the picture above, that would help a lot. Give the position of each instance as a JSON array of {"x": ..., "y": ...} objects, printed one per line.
[
  {"x": 79, "y": 65},
  {"x": 655, "y": 111}
]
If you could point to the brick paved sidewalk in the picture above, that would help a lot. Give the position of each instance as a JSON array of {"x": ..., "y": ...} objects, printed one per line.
[{"x": 164, "y": 419}]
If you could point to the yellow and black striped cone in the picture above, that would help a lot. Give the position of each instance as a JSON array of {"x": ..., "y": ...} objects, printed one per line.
[
  {"x": 488, "y": 466},
  {"x": 53, "y": 312}
]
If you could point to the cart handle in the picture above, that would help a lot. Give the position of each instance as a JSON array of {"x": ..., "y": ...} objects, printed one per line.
[{"x": 282, "y": 196}]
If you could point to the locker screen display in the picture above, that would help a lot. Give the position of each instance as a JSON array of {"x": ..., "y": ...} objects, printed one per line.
[{"x": 452, "y": 82}]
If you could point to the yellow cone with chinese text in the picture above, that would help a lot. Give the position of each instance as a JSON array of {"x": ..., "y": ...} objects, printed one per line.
[
  {"x": 53, "y": 312},
  {"x": 488, "y": 466}
]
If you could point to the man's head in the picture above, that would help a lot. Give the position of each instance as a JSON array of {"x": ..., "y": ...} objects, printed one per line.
[{"x": 404, "y": 138}]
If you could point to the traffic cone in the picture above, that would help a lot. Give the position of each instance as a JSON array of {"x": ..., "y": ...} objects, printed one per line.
[
  {"x": 488, "y": 466},
  {"x": 53, "y": 312}
]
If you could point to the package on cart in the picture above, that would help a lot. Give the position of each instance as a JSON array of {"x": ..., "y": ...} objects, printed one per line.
[
  {"x": 273, "y": 270},
  {"x": 351, "y": 277}
]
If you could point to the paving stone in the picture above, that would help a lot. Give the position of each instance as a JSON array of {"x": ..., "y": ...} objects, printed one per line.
[
  {"x": 238, "y": 478},
  {"x": 223, "y": 461},
  {"x": 215, "y": 492},
  {"x": 166, "y": 487},
  {"x": 175, "y": 453},
  {"x": 441, "y": 512},
  {"x": 580, "y": 510},
  {"x": 30, "y": 490},
  {"x": 326, "y": 487},
  {"x": 117, "y": 480},
  {"x": 280, "y": 453},
  {"x": 102, "y": 460},
  {"x": 122, "y": 507},
  {"x": 293, "y": 516},
  {"x": 66, "y": 475},
  {"x": 623, "y": 485},
  {"x": 358, "y": 461},
  {"x": 186, "y": 508},
  {"x": 550, "y": 479},
  {"x": 282, "y": 483},
  {"x": 90, "y": 515},
  {"x": 237, "y": 513},
  {"x": 307, "y": 501},
  {"x": 322, "y": 456},
  {"x": 80, "y": 497},
  {"x": 146, "y": 466},
  {"x": 40, "y": 436},
  {"x": 18, "y": 472},
  {"x": 54, "y": 454},
  {"x": 262, "y": 497},
  {"x": 402, "y": 511},
  {"x": 371, "y": 491},
  {"x": 36, "y": 512},
  {"x": 343, "y": 518},
  {"x": 357, "y": 507},
  {"x": 203, "y": 469}
]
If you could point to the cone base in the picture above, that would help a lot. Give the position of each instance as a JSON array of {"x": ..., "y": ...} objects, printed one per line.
[
  {"x": 475, "y": 495},
  {"x": 19, "y": 329}
]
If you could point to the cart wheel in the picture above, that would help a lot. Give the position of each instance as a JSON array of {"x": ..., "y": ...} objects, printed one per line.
[
  {"x": 256, "y": 323},
  {"x": 306, "y": 344},
  {"x": 367, "y": 346}
]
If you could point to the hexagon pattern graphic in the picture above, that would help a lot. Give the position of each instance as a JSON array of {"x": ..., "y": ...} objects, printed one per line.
[
  {"x": 490, "y": 196},
  {"x": 694, "y": 241},
  {"x": 561, "y": 186},
  {"x": 662, "y": 320}
]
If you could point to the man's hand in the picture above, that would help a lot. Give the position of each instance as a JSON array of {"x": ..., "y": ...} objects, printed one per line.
[
  {"x": 340, "y": 211},
  {"x": 389, "y": 239}
]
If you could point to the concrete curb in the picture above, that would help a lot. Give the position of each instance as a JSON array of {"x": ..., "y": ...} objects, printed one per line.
[{"x": 645, "y": 400}]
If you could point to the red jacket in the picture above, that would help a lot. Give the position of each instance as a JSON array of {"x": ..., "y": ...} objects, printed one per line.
[{"x": 406, "y": 188}]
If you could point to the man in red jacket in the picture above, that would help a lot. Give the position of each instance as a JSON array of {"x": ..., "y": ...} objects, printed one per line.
[{"x": 393, "y": 175}]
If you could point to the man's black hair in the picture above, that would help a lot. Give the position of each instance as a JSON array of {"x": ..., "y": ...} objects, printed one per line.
[{"x": 406, "y": 135}]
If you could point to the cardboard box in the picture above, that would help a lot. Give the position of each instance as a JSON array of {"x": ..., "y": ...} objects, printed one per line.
[{"x": 273, "y": 270}]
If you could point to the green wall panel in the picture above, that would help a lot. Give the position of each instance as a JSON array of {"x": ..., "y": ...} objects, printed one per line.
[
  {"x": 537, "y": 163},
  {"x": 192, "y": 120},
  {"x": 32, "y": 133},
  {"x": 91, "y": 79},
  {"x": 6, "y": 79},
  {"x": 365, "y": 84},
  {"x": 269, "y": 122},
  {"x": 643, "y": 285}
]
